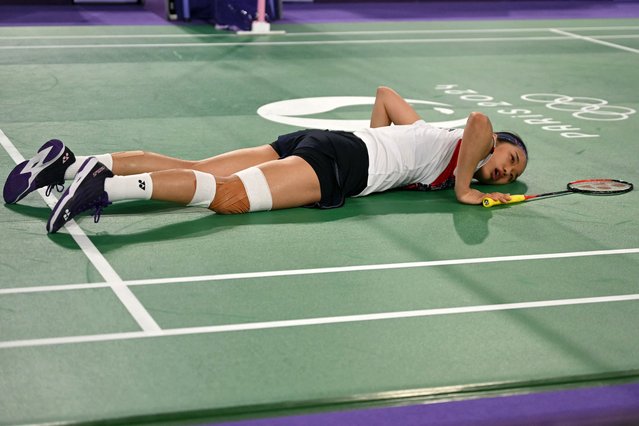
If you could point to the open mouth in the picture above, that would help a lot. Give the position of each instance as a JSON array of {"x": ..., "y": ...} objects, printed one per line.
[{"x": 496, "y": 174}]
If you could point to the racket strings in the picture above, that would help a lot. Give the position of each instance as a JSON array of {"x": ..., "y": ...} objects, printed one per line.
[{"x": 601, "y": 186}]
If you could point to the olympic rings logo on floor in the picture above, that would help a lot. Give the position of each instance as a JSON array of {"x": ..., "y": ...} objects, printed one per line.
[{"x": 593, "y": 109}]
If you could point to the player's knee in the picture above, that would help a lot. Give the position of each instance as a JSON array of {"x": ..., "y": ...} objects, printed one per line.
[
  {"x": 245, "y": 191},
  {"x": 230, "y": 196},
  {"x": 384, "y": 91}
]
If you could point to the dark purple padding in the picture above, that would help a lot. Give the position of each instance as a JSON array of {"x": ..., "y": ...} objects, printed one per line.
[
  {"x": 606, "y": 405},
  {"x": 611, "y": 405},
  {"x": 457, "y": 10},
  {"x": 153, "y": 13}
]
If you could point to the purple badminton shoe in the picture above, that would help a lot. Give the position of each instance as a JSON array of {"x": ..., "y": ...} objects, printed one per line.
[
  {"x": 46, "y": 168},
  {"x": 85, "y": 192}
]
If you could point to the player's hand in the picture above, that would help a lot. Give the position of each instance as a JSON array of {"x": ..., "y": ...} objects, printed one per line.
[
  {"x": 473, "y": 196},
  {"x": 497, "y": 196}
]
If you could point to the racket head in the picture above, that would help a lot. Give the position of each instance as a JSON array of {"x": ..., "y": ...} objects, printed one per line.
[{"x": 600, "y": 186}]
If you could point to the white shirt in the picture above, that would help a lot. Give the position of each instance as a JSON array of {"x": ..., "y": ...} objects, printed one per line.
[{"x": 418, "y": 153}]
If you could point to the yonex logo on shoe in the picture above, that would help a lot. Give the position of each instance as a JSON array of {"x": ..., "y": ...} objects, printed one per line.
[
  {"x": 142, "y": 185},
  {"x": 100, "y": 170},
  {"x": 65, "y": 158},
  {"x": 66, "y": 215}
]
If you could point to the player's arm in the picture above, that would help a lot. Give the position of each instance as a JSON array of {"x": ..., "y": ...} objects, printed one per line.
[
  {"x": 391, "y": 108},
  {"x": 476, "y": 145}
]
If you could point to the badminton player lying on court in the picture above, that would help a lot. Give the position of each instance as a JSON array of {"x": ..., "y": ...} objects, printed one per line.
[{"x": 306, "y": 168}]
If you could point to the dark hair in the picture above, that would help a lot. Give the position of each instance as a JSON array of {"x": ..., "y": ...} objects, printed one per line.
[{"x": 513, "y": 138}]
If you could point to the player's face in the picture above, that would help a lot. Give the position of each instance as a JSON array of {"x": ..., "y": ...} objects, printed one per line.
[{"x": 507, "y": 163}]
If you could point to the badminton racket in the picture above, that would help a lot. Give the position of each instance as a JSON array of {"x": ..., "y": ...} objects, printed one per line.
[{"x": 585, "y": 186}]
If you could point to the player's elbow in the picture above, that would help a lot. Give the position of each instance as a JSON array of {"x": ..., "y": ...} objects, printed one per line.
[
  {"x": 478, "y": 118},
  {"x": 479, "y": 121}
]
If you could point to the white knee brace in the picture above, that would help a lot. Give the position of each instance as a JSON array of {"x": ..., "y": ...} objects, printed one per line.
[
  {"x": 257, "y": 189},
  {"x": 205, "y": 188}
]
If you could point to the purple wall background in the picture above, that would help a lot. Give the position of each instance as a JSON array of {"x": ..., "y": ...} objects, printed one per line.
[
  {"x": 54, "y": 12},
  {"x": 609, "y": 405}
]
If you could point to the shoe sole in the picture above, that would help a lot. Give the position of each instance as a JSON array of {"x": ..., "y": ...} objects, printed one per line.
[
  {"x": 34, "y": 166},
  {"x": 84, "y": 171}
]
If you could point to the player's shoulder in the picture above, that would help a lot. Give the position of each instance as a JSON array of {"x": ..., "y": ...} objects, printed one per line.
[{"x": 438, "y": 131}]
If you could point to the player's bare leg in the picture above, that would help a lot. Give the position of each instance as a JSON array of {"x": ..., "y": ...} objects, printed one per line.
[
  {"x": 292, "y": 182},
  {"x": 134, "y": 162},
  {"x": 391, "y": 108}
]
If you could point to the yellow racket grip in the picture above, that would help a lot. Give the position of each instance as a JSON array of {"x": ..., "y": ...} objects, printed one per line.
[{"x": 489, "y": 202}]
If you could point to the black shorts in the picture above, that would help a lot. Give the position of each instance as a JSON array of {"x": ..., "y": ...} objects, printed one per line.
[{"x": 340, "y": 161}]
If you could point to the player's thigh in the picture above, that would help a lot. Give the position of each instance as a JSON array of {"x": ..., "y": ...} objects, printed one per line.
[
  {"x": 292, "y": 182},
  {"x": 232, "y": 162}
]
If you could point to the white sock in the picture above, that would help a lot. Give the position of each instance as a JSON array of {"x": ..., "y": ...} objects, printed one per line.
[
  {"x": 132, "y": 187},
  {"x": 105, "y": 159}
]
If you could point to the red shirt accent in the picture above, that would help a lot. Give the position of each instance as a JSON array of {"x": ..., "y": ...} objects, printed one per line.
[{"x": 449, "y": 171}]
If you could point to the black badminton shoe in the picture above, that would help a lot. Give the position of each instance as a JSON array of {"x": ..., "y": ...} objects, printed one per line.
[
  {"x": 46, "y": 168},
  {"x": 85, "y": 192}
]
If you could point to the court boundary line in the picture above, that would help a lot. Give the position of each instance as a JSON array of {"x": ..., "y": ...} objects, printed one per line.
[
  {"x": 594, "y": 40},
  {"x": 283, "y": 43},
  {"x": 139, "y": 313},
  {"x": 561, "y": 35},
  {"x": 267, "y": 325},
  {"x": 324, "y": 270},
  {"x": 319, "y": 33}
]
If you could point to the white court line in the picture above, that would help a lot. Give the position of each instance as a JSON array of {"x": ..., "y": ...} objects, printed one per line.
[
  {"x": 594, "y": 40},
  {"x": 126, "y": 296},
  {"x": 57, "y": 287},
  {"x": 112, "y": 36},
  {"x": 561, "y": 36},
  {"x": 287, "y": 34},
  {"x": 288, "y": 43},
  {"x": 458, "y": 31},
  {"x": 615, "y": 37},
  {"x": 327, "y": 270},
  {"x": 311, "y": 33},
  {"x": 387, "y": 266},
  {"x": 315, "y": 321}
]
